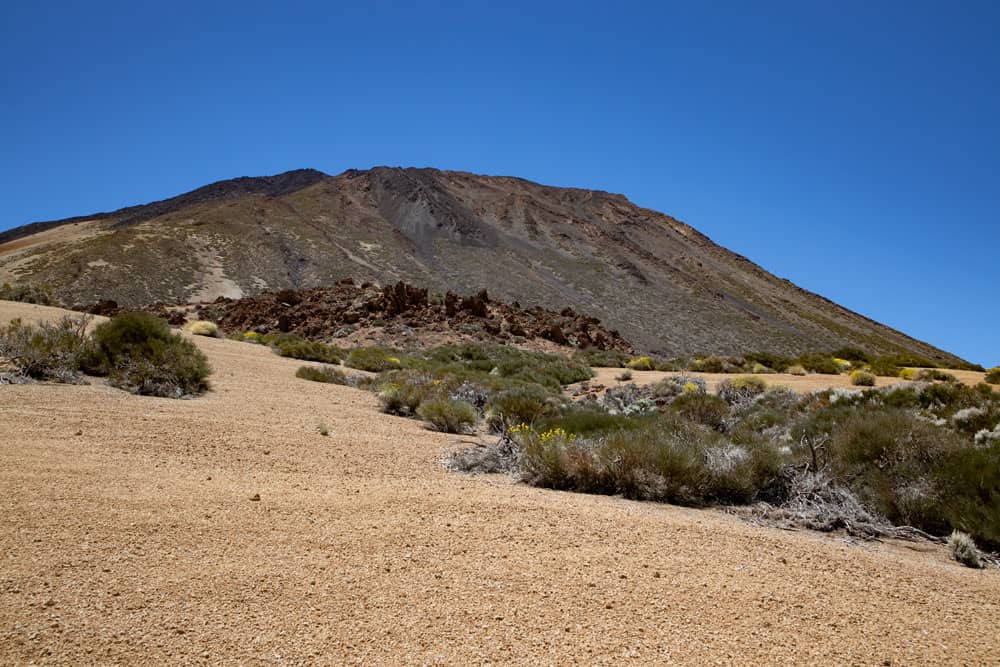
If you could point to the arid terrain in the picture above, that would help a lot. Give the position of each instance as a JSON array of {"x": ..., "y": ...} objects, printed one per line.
[{"x": 227, "y": 530}]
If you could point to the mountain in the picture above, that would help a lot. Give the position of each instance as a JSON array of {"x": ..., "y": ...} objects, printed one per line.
[{"x": 665, "y": 286}]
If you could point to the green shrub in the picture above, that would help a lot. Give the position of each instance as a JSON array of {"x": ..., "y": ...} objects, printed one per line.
[
  {"x": 710, "y": 364},
  {"x": 522, "y": 405},
  {"x": 48, "y": 351},
  {"x": 373, "y": 359},
  {"x": 862, "y": 379},
  {"x": 820, "y": 363},
  {"x": 775, "y": 362},
  {"x": 907, "y": 374},
  {"x": 294, "y": 347},
  {"x": 602, "y": 358},
  {"x": 796, "y": 369},
  {"x": 884, "y": 368},
  {"x": 402, "y": 392},
  {"x": 852, "y": 354},
  {"x": 908, "y": 359},
  {"x": 890, "y": 458},
  {"x": 992, "y": 376},
  {"x": 325, "y": 374},
  {"x": 969, "y": 481},
  {"x": 740, "y": 389},
  {"x": 37, "y": 294},
  {"x": 586, "y": 418},
  {"x": 624, "y": 376},
  {"x": 447, "y": 415},
  {"x": 665, "y": 459},
  {"x": 138, "y": 353}
]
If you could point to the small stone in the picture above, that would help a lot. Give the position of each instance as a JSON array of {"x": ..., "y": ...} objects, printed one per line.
[{"x": 255, "y": 497}]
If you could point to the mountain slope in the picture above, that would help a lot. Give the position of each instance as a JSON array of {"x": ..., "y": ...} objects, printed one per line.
[{"x": 665, "y": 286}]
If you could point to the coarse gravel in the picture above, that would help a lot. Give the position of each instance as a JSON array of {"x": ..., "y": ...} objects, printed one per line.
[{"x": 129, "y": 534}]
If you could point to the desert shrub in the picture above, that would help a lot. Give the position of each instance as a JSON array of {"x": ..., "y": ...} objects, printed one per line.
[
  {"x": 702, "y": 409},
  {"x": 852, "y": 354},
  {"x": 373, "y": 359},
  {"x": 628, "y": 399},
  {"x": 760, "y": 369},
  {"x": 843, "y": 364},
  {"x": 295, "y": 347},
  {"x": 992, "y": 376},
  {"x": 246, "y": 337},
  {"x": 665, "y": 459},
  {"x": 202, "y": 328},
  {"x": 862, "y": 378},
  {"x": 969, "y": 482},
  {"x": 890, "y": 458},
  {"x": 796, "y": 369},
  {"x": 471, "y": 392},
  {"x": 521, "y": 405},
  {"x": 883, "y": 367},
  {"x": 820, "y": 363},
  {"x": 448, "y": 415},
  {"x": 512, "y": 365},
  {"x": 501, "y": 456},
  {"x": 625, "y": 376},
  {"x": 48, "y": 351},
  {"x": 740, "y": 389},
  {"x": 907, "y": 359},
  {"x": 933, "y": 374},
  {"x": 670, "y": 387},
  {"x": 710, "y": 364},
  {"x": 603, "y": 358},
  {"x": 402, "y": 392},
  {"x": 587, "y": 418},
  {"x": 963, "y": 549},
  {"x": 643, "y": 363},
  {"x": 326, "y": 374},
  {"x": 671, "y": 365},
  {"x": 907, "y": 374},
  {"x": 973, "y": 419},
  {"x": 37, "y": 294},
  {"x": 776, "y": 362},
  {"x": 140, "y": 354}
]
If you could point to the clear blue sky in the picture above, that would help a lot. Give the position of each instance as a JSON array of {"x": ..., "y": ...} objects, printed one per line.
[{"x": 852, "y": 147}]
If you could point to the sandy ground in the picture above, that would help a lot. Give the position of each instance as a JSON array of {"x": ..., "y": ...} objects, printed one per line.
[
  {"x": 129, "y": 536},
  {"x": 802, "y": 383}
]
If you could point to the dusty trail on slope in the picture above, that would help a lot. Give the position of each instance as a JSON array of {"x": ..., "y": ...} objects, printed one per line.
[{"x": 128, "y": 535}]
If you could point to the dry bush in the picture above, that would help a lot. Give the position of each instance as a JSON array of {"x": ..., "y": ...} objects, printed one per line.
[
  {"x": 862, "y": 378},
  {"x": 963, "y": 549},
  {"x": 48, "y": 351},
  {"x": 202, "y": 328}
]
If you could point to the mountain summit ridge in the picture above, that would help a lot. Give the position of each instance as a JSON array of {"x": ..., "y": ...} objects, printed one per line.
[{"x": 667, "y": 287}]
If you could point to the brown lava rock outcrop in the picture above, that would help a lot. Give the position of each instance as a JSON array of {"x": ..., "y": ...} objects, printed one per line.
[{"x": 335, "y": 312}]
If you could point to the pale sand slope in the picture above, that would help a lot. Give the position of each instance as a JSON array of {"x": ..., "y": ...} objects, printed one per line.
[
  {"x": 136, "y": 542},
  {"x": 802, "y": 383}
]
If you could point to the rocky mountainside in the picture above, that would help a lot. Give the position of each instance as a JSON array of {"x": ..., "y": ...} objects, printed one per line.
[{"x": 663, "y": 285}]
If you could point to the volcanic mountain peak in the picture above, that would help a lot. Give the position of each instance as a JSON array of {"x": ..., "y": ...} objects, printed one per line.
[{"x": 665, "y": 286}]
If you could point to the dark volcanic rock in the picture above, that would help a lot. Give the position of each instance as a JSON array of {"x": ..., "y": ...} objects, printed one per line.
[{"x": 323, "y": 313}]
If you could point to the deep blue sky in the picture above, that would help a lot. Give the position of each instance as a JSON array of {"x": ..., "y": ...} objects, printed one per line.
[{"x": 852, "y": 147}]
